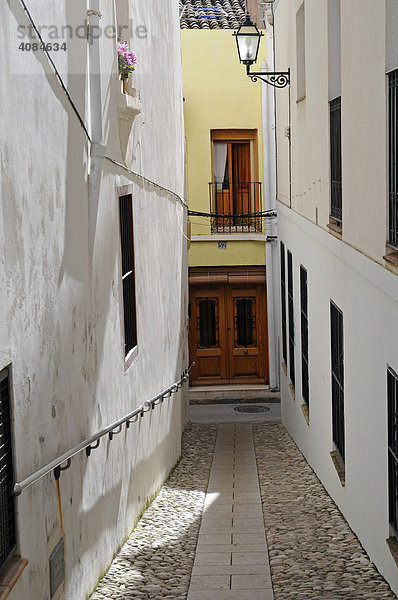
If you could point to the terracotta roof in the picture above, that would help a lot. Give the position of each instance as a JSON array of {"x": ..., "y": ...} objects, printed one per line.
[{"x": 211, "y": 14}]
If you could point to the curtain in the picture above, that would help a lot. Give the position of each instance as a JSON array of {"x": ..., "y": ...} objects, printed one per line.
[{"x": 220, "y": 152}]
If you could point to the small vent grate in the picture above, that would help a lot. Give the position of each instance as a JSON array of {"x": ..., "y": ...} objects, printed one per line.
[{"x": 251, "y": 409}]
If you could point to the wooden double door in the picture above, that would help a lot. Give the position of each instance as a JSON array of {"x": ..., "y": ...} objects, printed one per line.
[{"x": 228, "y": 334}]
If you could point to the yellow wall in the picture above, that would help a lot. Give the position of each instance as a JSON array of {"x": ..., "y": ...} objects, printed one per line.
[
  {"x": 218, "y": 95},
  {"x": 236, "y": 253}
]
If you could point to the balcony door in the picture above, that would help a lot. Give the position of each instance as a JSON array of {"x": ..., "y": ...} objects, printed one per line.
[
  {"x": 235, "y": 191},
  {"x": 228, "y": 334}
]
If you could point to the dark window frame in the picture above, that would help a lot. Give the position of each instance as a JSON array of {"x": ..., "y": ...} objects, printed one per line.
[
  {"x": 336, "y": 206},
  {"x": 337, "y": 377},
  {"x": 392, "y": 238},
  {"x": 283, "y": 301},
  {"x": 126, "y": 225},
  {"x": 304, "y": 335},
  {"x": 8, "y": 537},
  {"x": 392, "y": 407},
  {"x": 290, "y": 304}
]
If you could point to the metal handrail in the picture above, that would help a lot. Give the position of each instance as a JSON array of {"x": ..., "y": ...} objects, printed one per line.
[{"x": 116, "y": 427}]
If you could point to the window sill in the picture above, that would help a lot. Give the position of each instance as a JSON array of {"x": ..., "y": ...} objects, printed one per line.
[
  {"x": 335, "y": 229},
  {"x": 391, "y": 259},
  {"x": 392, "y": 544},
  {"x": 306, "y": 413},
  {"x": 11, "y": 574},
  {"x": 339, "y": 466},
  {"x": 128, "y": 106},
  {"x": 233, "y": 237}
]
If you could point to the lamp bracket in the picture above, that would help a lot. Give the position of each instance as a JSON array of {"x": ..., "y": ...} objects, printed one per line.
[{"x": 278, "y": 79}]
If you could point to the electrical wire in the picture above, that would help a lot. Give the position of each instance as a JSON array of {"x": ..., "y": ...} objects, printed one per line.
[
  {"x": 80, "y": 118},
  {"x": 60, "y": 80},
  {"x": 146, "y": 180}
]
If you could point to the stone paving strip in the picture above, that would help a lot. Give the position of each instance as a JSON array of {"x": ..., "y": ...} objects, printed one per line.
[
  {"x": 313, "y": 552},
  {"x": 231, "y": 560},
  {"x": 156, "y": 561}
]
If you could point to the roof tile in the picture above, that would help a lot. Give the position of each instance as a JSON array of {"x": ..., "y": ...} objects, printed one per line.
[{"x": 211, "y": 14}]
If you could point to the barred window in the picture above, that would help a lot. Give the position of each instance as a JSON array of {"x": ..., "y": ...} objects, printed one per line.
[
  {"x": 336, "y": 211},
  {"x": 283, "y": 302},
  {"x": 128, "y": 272},
  {"x": 304, "y": 335},
  {"x": 337, "y": 360},
  {"x": 290, "y": 305},
  {"x": 392, "y": 393},
  {"x": 393, "y": 158}
]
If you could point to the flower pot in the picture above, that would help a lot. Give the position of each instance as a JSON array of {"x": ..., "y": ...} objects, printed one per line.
[{"x": 124, "y": 83}]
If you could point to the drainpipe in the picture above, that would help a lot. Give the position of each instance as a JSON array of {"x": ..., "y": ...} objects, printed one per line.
[
  {"x": 97, "y": 150},
  {"x": 269, "y": 157}
]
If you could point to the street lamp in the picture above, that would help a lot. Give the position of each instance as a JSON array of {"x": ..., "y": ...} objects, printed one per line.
[{"x": 248, "y": 41}]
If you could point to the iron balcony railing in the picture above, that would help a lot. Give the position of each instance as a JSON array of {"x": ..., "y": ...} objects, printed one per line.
[
  {"x": 93, "y": 441},
  {"x": 237, "y": 207}
]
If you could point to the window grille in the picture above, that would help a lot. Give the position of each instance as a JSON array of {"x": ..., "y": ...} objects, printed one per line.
[
  {"x": 304, "y": 335},
  {"x": 392, "y": 393},
  {"x": 207, "y": 322},
  {"x": 283, "y": 302},
  {"x": 291, "y": 316},
  {"x": 245, "y": 322},
  {"x": 7, "y": 507},
  {"x": 335, "y": 161},
  {"x": 128, "y": 272},
  {"x": 393, "y": 158},
  {"x": 337, "y": 360}
]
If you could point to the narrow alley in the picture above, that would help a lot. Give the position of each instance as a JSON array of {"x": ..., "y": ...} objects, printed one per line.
[{"x": 241, "y": 516}]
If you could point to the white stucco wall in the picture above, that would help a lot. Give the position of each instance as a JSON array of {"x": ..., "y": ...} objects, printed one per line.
[
  {"x": 61, "y": 325},
  {"x": 350, "y": 271},
  {"x": 367, "y": 295},
  {"x": 363, "y": 112}
]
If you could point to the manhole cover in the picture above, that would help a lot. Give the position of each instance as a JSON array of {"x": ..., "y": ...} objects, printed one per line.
[{"x": 251, "y": 409}]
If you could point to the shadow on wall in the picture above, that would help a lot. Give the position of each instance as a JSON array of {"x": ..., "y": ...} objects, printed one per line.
[{"x": 158, "y": 557}]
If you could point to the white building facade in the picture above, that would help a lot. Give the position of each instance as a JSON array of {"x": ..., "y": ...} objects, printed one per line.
[
  {"x": 338, "y": 229},
  {"x": 93, "y": 271}
]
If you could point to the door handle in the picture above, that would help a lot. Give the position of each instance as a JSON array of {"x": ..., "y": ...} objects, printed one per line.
[{"x": 245, "y": 352}]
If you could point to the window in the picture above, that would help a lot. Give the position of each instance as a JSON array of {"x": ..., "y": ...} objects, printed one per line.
[
  {"x": 283, "y": 303},
  {"x": 235, "y": 195},
  {"x": 207, "y": 322},
  {"x": 128, "y": 272},
  {"x": 7, "y": 505},
  {"x": 337, "y": 362},
  {"x": 393, "y": 158},
  {"x": 304, "y": 335},
  {"x": 336, "y": 212},
  {"x": 392, "y": 393},
  {"x": 291, "y": 316},
  {"x": 300, "y": 52},
  {"x": 245, "y": 322}
]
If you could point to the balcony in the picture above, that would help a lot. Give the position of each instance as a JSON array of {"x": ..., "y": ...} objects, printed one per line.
[{"x": 236, "y": 207}]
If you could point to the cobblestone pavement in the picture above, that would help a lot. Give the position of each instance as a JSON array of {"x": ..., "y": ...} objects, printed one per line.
[
  {"x": 313, "y": 552},
  {"x": 156, "y": 561}
]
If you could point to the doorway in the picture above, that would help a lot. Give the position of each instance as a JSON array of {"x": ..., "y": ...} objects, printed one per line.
[{"x": 228, "y": 337}]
